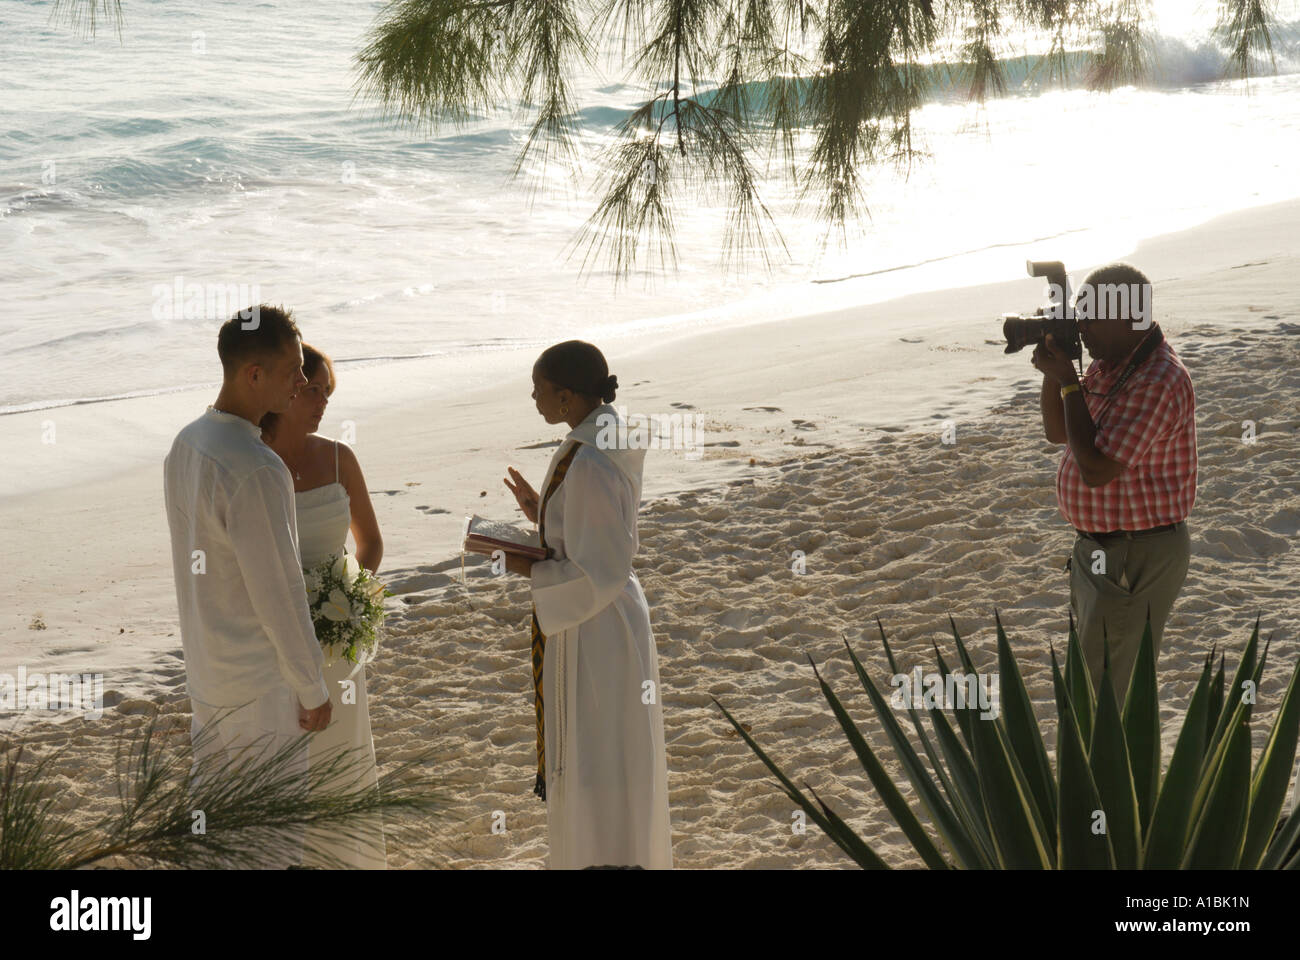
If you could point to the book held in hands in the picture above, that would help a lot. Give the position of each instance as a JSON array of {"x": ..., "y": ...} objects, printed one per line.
[{"x": 488, "y": 536}]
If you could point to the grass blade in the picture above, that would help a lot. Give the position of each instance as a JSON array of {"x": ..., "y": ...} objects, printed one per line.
[
  {"x": 1113, "y": 774},
  {"x": 1167, "y": 834},
  {"x": 940, "y": 813},
  {"x": 1142, "y": 730},
  {"x": 1024, "y": 735},
  {"x": 1273, "y": 775},
  {"x": 1232, "y": 695},
  {"x": 1079, "y": 846},
  {"x": 1078, "y": 681},
  {"x": 963, "y": 719},
  {"x": 880, "y": 779},
  {"x": 840, "y": 834},
  {"x": 915, "y": 717},
  {"x": 1220, "y": 831}
]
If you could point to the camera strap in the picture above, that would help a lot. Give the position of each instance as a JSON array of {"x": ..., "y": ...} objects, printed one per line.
[{"x": 1144, "y": 349}]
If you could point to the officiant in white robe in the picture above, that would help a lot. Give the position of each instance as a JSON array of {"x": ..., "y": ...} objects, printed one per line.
[
  {"x": 606, "y": 767},
  {"x": 601, "y": 762}
]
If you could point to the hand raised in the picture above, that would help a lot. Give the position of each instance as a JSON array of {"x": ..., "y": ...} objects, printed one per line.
[{"x": 525, "y": 495}]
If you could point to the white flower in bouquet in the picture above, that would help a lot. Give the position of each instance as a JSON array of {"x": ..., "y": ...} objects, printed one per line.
[
  {"x": 347, "y": 608},
  {"x": 338, "y": 607},
  {"x": 346, "y": 568}
]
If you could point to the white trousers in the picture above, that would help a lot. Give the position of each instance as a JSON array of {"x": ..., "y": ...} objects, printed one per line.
[{"x": 257, "y": 729}]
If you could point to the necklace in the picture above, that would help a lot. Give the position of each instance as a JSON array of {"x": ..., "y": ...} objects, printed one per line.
[{"x": 296, "y": 474}]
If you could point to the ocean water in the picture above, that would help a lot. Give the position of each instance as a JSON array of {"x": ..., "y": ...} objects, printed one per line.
[{"x": 221, "y": 144}]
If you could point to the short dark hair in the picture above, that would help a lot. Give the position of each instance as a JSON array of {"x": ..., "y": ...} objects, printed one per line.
[
  {"x": 1121, "y": 275},
  {"x": 273, "y": 329},
  {"x": 578, "y": 366}
]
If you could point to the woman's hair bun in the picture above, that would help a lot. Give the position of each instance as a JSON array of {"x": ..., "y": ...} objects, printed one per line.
[
  {"x": 578, "y": 366},
  {"x": 610, "y": 389}
]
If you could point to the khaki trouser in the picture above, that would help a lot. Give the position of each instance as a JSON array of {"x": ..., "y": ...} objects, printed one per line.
[{"x": 1133, "y": 574}]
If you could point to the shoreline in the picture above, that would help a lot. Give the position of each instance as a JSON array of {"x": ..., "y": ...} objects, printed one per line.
[
  {"x": 94, "y": 574},
  {"x": 891, "y": 523},
  {"x": 900, "y": 528}
]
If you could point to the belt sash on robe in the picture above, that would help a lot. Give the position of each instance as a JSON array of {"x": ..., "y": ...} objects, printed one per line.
[{"x": 539, "y": 639}]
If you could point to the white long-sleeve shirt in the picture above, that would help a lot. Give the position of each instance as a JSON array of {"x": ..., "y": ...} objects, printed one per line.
[{"x": 245, "y": 625}]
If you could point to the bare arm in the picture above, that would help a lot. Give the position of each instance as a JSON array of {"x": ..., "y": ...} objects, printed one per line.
[
  {"x": 364, "y": 526},
  {"x": 1068, "y": 420},
  {"x": 1049, "y": 401},
  {"x": 1095, "y": 467}
]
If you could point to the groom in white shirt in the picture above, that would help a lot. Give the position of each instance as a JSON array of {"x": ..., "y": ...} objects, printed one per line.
[{"x": 253, "y": 666}]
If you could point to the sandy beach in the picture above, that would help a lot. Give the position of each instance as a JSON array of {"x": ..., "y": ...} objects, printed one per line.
[{"x": 823, "y": 434}]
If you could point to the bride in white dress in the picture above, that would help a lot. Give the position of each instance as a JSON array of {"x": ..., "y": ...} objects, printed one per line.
[{"x": 331, "y": 498}]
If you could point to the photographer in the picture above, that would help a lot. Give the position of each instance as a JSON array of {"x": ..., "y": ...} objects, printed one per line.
[{"x": 1127, "y": 478}]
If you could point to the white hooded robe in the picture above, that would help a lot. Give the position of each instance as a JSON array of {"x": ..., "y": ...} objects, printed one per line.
[{"x": 606, "y": 765}]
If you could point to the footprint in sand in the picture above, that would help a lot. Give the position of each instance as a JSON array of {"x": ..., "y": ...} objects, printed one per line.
[
  {"x": 766, "y": 409},
  {"x": 804, "y": 425},
  {"x": 723, "y": 443},
  {"x": 683, "y": 406},
  {"x": 431, "y": 511},
  {"x": 390, "y": 493},
  {"x": 910, "y": 339}
]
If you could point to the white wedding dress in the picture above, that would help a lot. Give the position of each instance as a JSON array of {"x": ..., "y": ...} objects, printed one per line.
[{"x": 324, "y": 516}]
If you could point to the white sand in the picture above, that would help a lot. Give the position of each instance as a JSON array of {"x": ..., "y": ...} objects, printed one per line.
[{"x": 848, "y": 469}]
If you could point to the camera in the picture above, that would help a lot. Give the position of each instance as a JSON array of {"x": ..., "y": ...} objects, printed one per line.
[{"x": 1056, "y": 318}]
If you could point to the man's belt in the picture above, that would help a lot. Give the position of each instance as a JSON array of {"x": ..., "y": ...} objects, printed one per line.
[{"x": 1130, "y": 534}]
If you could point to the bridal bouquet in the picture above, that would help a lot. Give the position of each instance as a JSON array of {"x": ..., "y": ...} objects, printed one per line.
[{"x": 347, "y": 607}]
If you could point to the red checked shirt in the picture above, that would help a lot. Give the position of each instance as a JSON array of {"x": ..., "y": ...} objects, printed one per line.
[{"x": 1150, "y": 427}]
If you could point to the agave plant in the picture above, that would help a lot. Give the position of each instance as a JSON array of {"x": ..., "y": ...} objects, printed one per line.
[
  {"x": 226, "y": 812},
  {"x": 994, "y": 801}
]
